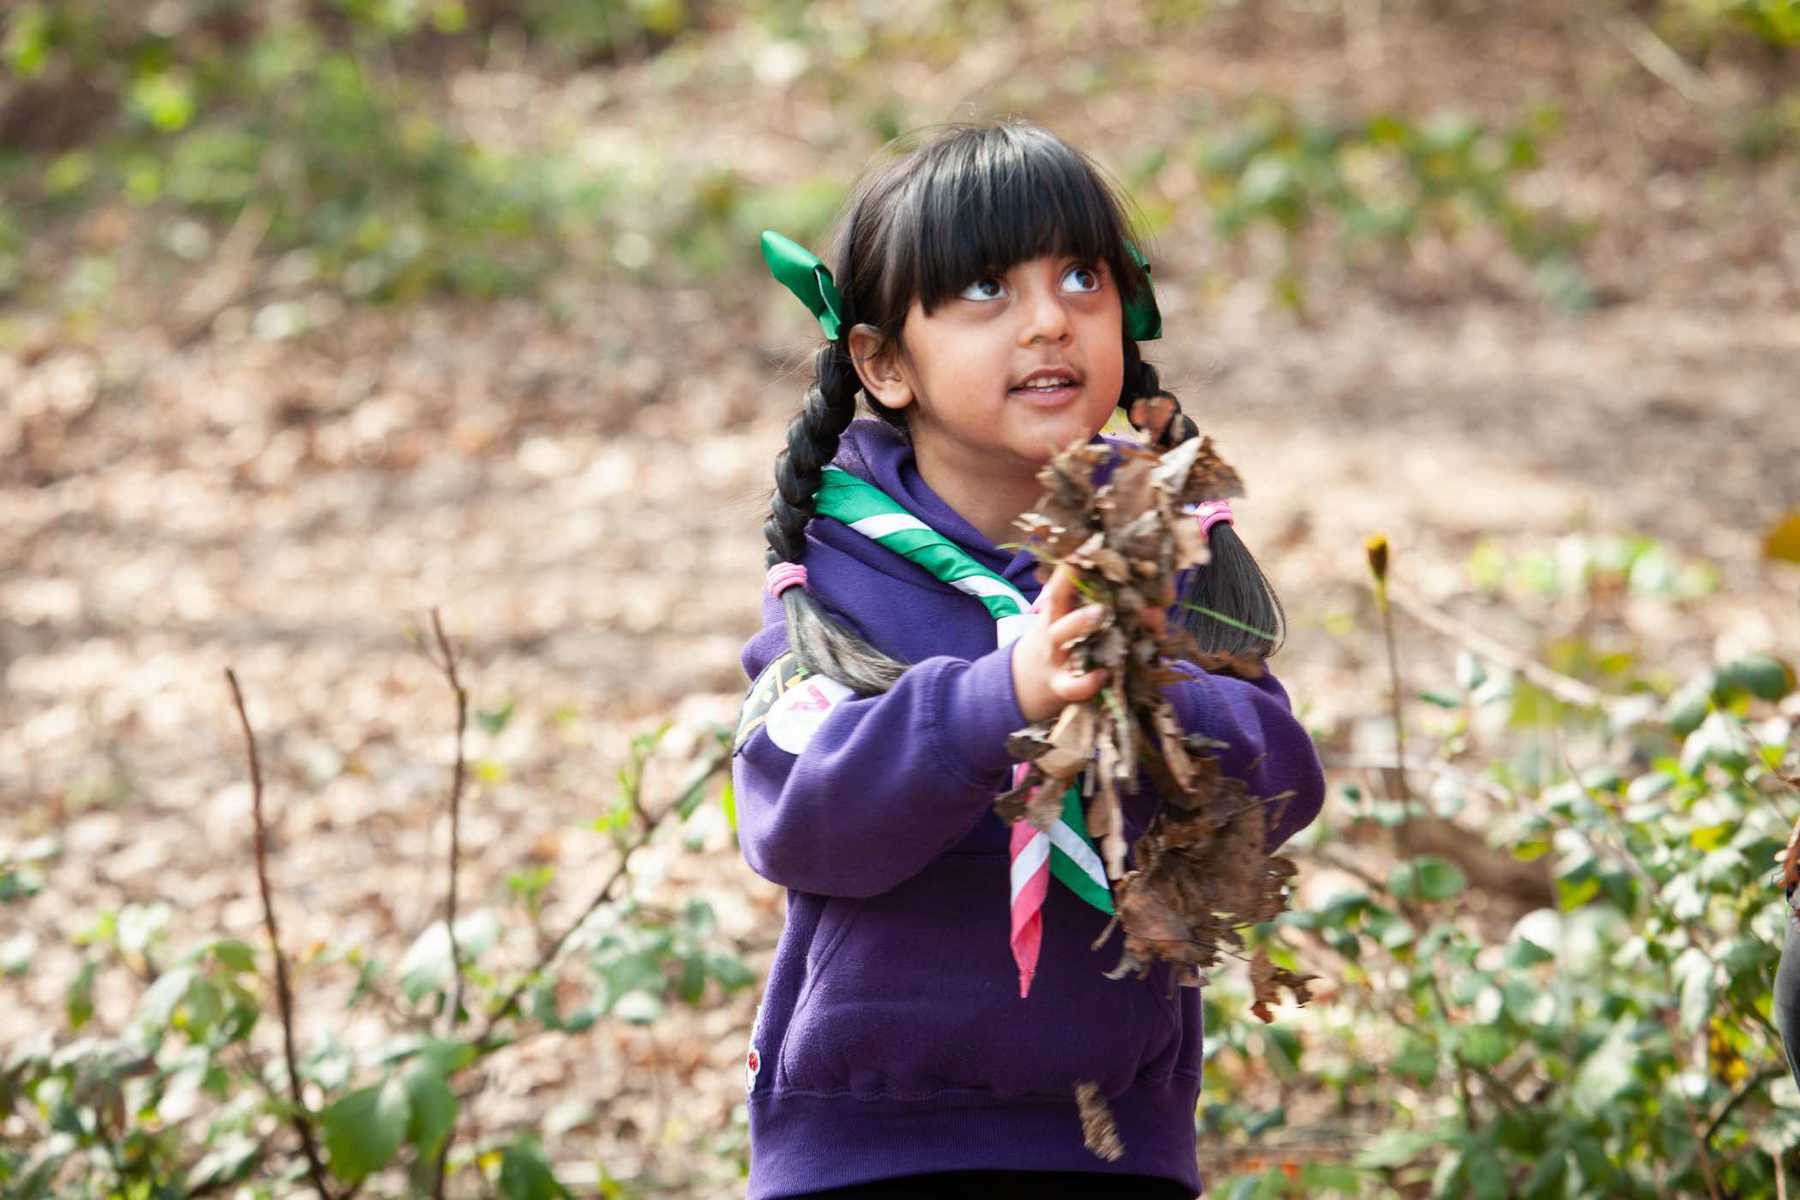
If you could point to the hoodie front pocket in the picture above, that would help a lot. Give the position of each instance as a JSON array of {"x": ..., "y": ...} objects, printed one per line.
[{"x": 915, "y": 992}]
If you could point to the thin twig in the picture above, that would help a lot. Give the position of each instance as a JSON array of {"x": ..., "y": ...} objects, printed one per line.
[
  {"x": 510, "y": 1005},
  {"x": 1706, "y": 1163},
  {"x": 1425, "y": 766},
  {"x": 302, "y": 1117},
  {"x": 1660, "y": 59},
  {"x": 461, "y": 694},
  {"x": 1743, "y": 1093},
  {"x": 225, "y": 280},
  {"x": 1383, "y": 601},
  {"x": 1557, "y": 684},
  {"x": 456, "y": 788}
]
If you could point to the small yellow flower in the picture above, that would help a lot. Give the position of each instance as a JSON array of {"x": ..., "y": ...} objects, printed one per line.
[{"x": 1377, "y": 546}]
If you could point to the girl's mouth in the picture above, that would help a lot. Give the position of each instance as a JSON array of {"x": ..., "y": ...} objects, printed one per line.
[{"x": 1047, "y": 388}]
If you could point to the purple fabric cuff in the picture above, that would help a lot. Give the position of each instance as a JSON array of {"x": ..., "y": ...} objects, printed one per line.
[{"x": 976, "y": 711}]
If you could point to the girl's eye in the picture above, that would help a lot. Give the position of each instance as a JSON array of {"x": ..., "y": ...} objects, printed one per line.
[
  {"x": 1089, "y": 278},
  {"x": 976, "y": 290}
]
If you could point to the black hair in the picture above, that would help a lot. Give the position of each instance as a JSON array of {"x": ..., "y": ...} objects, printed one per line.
[{"x": 970, "y": 201}]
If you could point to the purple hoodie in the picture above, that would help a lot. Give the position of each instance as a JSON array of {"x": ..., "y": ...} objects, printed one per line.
[{"x": 891, "y": 1038}]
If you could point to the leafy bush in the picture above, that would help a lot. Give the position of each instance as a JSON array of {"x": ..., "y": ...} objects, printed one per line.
[
  {"x": 1383, "y": 179},
  {"x": 1617, "y": 1042},
  {"x": 324, "y": 119},
  {"x": 188, "y": 1098}
]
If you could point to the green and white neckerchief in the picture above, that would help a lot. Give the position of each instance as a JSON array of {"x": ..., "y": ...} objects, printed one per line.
[{"x": 876, "y": 515}]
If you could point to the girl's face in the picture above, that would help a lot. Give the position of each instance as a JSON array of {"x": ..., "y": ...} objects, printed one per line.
[{"x": 1005, "y": 374}]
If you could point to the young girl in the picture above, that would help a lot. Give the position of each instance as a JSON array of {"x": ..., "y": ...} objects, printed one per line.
[{"x": 982, "y": 295}]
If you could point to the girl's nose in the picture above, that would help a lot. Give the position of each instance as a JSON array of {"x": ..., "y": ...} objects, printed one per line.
[{"x": 1045, "y": 317}]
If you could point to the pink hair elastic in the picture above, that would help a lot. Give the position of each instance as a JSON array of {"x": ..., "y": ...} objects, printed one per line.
[
  {"x": 784, "y": 575},
  {"x": 1211, "y": 513}
]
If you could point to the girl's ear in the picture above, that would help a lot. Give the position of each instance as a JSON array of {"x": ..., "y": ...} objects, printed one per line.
[{"x": 879, "y": 367}]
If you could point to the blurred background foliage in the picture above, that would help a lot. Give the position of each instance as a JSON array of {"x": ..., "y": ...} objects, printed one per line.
[
  {"x": 1594, "y": 1023},
  {"x": 330, "y": 129}
]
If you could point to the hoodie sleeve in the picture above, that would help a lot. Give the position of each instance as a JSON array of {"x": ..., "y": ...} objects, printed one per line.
[
  {"x": 871, "y": 788},
  {"x": 1266, "y": 746}
]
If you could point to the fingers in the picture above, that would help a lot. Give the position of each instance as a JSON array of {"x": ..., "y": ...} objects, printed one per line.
[
  {"x": 1060, "y": 595},
  {"x": 1064, "y": 630},
  {"x": 1071, "y": 688}
]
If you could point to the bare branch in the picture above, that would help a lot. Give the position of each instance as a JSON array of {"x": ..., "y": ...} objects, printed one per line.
[
  {"x": 1382, "y": 595},
  {"x": 302, "y": 1118},
  {"x": 1661, "y": 60},
  {"x": 456, "y": 787},
  {"x": 461, "y": 694},
  {"x": 1749, "y": 1085}
]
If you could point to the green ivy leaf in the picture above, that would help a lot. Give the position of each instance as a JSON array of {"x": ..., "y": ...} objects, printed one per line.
[
  {"x": 426, "y": 965},
  {"x": 730, "y": 971},
  {"x": 365, "y": 1128},
  {"x": 690, "y": 981},
  {"x": 205, "y": 1005},
  {"x": 160, "y": 999},
  {"x": 1762, "y": 675},
  {"x": 1417, "y": 1061},
  {"x": 493, "y": 720},
  {"x": 1483, "y": 1045},
  {"x": 1320, "y": 1177},
  {"x": 728, "y": 801},
  {"x": 1682, "y": 897},
  {"x": 80, "y": 1001},
  {"x": 1697, "y": 983},
  {"x": 1396, "y": 1148},
  {"x": 1688, "y": 707},
  {"x": 1261, "y": 1122},
  {"x": 525, "y": 1175},
  {"x": 234, "y": 954},
  {"x": 432, "y": 1108},
  {"x": 1487, "y": 1178},
  {"x": 1606, "y": 1072},
  {"x": 1720, "y": 739},
  {"x": 1448, "y": 1174},
  {"x": 638, "y": 1008},
  {"x": 228, "y": 1161},
  {"x": 1523, "y": 952},
  {"x": 1429, "y": 878}
]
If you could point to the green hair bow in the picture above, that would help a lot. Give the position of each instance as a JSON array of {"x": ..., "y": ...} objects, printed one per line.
[
  {"x": 1143, "y": 320},
  {"x": 800, "y": 271}
]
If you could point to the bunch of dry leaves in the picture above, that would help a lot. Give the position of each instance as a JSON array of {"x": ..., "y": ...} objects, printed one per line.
[{"x": 1200, "y": 872}]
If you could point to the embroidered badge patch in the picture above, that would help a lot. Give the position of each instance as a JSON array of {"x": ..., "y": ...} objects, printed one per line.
[
  {"x": 775, "y": 679},
  {"x": 798, "y": 712},
  {"x": 752, "y": 1065},
  {"x": 791, "y": 702}
]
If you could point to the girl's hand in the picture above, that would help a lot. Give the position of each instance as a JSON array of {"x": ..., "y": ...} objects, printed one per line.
[{"x": 1044, "y": 680}]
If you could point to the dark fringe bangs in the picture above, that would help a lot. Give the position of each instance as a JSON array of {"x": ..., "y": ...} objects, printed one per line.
[{"x": 994, "y": 197}]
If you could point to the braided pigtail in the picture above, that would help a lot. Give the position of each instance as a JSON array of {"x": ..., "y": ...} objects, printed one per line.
[
  {"x": 1231, "y": 583},
  {"x": 820, "y": 643}
]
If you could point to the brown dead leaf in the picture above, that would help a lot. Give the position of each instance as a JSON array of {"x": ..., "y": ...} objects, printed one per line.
[{"x": 1098, "y": 1130}]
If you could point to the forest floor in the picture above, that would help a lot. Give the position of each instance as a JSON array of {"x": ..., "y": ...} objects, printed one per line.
[{"x": 580, "y": 491}]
